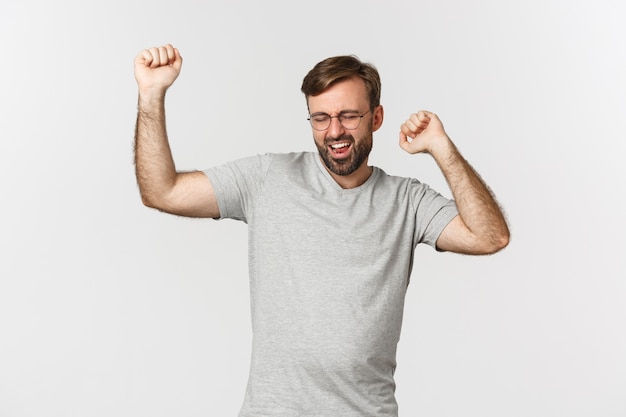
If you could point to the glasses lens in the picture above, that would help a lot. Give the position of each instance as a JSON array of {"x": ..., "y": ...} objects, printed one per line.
[
  {"x": 350, "y": 120},
  {"x": 320, "y": 121}
]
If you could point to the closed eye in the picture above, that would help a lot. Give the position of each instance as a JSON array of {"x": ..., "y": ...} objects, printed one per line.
[{"x": 320, "y": 117}]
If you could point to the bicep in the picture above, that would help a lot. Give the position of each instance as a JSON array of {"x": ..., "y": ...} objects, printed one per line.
[
  {"x": 192, "y": 196},
  {"x": 456, "y": 237}
]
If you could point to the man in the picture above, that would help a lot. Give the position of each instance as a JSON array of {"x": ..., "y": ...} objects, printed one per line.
[{"x": 331, "y": 239}]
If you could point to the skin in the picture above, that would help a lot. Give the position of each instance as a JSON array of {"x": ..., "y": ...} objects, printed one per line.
[
  {"x": 480, "y": 227},
  {"x": 161, "y": 186},
  {"x": 352, "y": 95}
]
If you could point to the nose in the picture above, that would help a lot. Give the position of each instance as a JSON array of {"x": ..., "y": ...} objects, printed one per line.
[{"x": 335, "y": 129}]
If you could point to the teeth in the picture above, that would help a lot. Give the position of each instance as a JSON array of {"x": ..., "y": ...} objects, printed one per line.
[{"x": 339, "y": 145}]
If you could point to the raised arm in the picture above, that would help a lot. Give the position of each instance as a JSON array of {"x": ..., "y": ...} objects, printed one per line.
[
  {"x": 161, "y": 186},
  {"x": 480, "y": 227}
]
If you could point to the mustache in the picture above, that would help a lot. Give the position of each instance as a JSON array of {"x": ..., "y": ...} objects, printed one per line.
[{"x": 342, "y": 138}]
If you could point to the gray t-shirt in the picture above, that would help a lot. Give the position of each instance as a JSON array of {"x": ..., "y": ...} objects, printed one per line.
[{"x": 329, "y": 268}]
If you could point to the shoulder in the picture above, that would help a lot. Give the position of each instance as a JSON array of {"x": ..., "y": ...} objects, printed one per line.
[
  {"x": 408, "y": 189},
  {"x": 291, "y": 161},
  {"x": 261, "y": 165},
  {"x": 292, "y": 157},
  {"x": 396, "y": 182}
]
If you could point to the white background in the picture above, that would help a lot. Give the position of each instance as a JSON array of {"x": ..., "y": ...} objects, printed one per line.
[{"x": 110, "y": 309}]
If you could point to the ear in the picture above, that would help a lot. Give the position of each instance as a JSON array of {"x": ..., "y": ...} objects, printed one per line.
[{"x": 377, "y": 118}]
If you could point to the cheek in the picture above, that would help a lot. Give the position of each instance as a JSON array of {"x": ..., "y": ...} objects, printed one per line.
[
  {"x": 363, "y": 133},
  {"x": 318, "y": 137}
]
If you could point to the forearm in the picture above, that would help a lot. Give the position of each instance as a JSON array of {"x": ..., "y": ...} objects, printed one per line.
[
  {"x": 477, "y": 206},
  {"x": 154, "y": 165}
]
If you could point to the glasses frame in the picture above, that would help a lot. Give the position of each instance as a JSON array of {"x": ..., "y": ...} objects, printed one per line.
[{"x": 338, "y": 117}]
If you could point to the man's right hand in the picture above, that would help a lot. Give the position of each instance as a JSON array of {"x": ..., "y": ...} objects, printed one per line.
[
  {"x": 161, "y": 186},
  {"x": 157, "y": 68}
]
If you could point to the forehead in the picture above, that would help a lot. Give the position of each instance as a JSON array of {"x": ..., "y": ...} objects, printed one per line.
[{"x": 350, "y": 94}]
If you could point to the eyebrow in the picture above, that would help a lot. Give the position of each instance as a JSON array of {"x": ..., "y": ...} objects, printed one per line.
[{"x": 321, "y": 113}]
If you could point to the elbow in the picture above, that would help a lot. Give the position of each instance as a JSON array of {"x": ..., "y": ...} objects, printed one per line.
[
  {"x": 147, "y": 202},
  {"x": 150, "y": 201},
  {"x": 497, "y": 243},
  {"x": 501, "y": 243}
]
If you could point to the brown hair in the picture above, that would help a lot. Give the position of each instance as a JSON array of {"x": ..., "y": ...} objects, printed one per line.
[{"x": 339, "y": 68}]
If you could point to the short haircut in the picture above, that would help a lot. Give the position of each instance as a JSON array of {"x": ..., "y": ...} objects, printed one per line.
[{"x": 339, "y": 68}]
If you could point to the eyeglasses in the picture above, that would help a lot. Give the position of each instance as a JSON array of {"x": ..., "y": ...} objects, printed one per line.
[{"x": 349, "y": 120}]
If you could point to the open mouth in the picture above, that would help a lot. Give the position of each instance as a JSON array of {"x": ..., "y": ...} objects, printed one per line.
[{"x": 340, "y": 149}]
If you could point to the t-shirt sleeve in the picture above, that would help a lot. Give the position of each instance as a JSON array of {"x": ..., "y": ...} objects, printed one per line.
[
  {"x": 237, "y": 184},
  {"x": 433, "y": 212}
]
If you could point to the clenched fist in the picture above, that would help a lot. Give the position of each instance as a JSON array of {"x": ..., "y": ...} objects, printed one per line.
[
  {"x": 425, "y": 131},
  {"x": 157, "y": 68}
]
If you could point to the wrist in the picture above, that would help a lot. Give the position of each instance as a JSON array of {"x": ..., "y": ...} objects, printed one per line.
[
  {"x": 150, "y": 97},
  {"x": 442, "y": 148}
]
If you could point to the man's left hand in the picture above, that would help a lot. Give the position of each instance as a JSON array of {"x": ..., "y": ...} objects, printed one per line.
[{"x": 422, "y": 132}]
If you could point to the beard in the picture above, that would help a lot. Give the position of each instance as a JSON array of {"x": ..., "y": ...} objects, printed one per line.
[{"x": 346, "y": 166}]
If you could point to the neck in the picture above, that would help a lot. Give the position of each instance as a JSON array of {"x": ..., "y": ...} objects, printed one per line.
[{"x": 353, "y": 180}]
